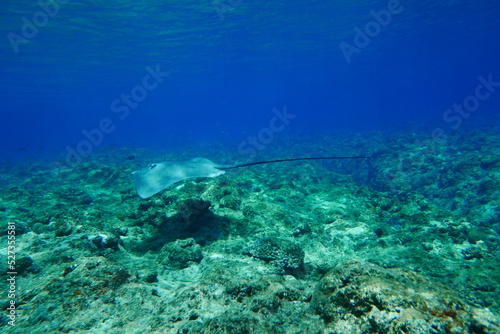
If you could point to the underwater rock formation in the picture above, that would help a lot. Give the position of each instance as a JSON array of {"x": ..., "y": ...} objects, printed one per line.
[{"x": 360, "y": 297}]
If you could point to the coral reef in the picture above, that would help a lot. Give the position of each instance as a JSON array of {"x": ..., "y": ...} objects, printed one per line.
[{"x": 407, "y": 241}]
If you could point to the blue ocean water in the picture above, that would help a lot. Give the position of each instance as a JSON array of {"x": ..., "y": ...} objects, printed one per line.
[
  {"x": 161, "y": 73},
  {"x": 102, "y": 101}
]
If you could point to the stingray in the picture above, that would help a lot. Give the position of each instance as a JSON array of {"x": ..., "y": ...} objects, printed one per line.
[{"x": 158, "y": 176}]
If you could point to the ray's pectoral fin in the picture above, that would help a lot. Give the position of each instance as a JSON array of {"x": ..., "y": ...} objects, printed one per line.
[{"x": 156, "y": 177}]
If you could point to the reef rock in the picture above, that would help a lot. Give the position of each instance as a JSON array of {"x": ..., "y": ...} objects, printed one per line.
[{"x": 360, "y": 297}]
